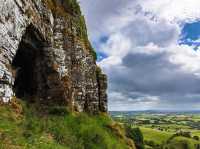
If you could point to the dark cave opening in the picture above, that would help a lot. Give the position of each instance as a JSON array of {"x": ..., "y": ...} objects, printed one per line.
[{"x": 26, "y": 65}]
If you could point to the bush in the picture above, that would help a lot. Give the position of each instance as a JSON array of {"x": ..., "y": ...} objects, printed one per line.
[
  {"x": 136, "y": 135},
  {"x": 58, "y": 110},
  {"x": 196, "y": 138}
]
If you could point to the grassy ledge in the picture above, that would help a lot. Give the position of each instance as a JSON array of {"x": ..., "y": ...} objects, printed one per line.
[{"x": 23, "y": 127}]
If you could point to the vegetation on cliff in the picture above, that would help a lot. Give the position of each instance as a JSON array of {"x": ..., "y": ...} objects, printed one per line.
[
  {"x": 24, "y": 125},
  {"x": 70, "y": 9}
]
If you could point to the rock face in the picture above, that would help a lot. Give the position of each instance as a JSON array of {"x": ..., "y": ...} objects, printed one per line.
[{"x": 45, "y": 56}]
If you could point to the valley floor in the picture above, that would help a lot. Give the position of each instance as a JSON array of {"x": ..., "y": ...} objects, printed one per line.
[{"x": 165, "y": 130}]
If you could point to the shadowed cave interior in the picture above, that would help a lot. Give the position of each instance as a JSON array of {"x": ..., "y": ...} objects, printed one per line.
[{"x": 27, "y": 64}]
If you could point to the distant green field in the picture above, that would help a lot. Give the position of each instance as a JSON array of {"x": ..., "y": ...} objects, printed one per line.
[
  {"x": 166, "y": 131},
  {"x": 173, "y": 127},
  {"x": 155, "y": 135},
  {"x": 160, "y": 137},
  {"x": 182, "y": 143},
  {"x": 196, "y": 133}
]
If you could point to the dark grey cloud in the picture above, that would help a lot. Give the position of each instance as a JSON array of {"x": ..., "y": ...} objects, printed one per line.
[
  {"x": 153, "y": 75},
  {"x": 164, "y": 77}
]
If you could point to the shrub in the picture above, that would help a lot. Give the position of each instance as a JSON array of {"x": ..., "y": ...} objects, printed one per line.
[
  {"x": 136, "y": 135},
  {"x": 58, "y": 110},
  {"x": 150, "y": 143},
  {"x": 196, "y": 138}
]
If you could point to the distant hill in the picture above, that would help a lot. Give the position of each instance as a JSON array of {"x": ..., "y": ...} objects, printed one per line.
[{"x": 153, "y": 112}]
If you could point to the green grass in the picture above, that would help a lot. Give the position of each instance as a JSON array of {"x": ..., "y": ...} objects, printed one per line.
[
  {"x": 157, "y": 136},
  {"x": 195, "y": 133},
  {"x": 161, "y": 137},
  {"x": 182, "y": 143},
  {"x": 172, "y": 128},
  {"x": 24, "y": 128}
]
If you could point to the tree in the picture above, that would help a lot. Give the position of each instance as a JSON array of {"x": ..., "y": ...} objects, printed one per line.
[
  {"x": 136, "y": 135},
  {"x": 196, "y": 138}
]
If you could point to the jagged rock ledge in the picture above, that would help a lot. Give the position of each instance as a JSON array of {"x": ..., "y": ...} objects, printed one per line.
[{"x": 45, "y": 55}]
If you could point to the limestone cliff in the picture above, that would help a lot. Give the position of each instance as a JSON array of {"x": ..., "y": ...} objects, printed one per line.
[{"x": 45, "y": 56}]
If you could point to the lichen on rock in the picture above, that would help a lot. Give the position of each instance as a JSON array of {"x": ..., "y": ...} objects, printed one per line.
[{"x": 45, "y": 56}]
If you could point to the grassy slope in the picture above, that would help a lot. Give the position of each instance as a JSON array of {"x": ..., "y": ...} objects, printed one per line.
[
  {"x": 159, "y": 137},
  {"x": 182, "y": 142},
  {"x": 172, "y": 128},
  {"x": 22, "y": 128}
]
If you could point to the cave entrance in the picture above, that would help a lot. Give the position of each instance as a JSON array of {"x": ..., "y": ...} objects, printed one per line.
[{"x": 27, "y": 64}]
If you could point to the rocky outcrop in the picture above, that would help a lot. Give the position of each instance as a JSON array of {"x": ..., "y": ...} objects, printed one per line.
[{"x": 45, "y": 56}]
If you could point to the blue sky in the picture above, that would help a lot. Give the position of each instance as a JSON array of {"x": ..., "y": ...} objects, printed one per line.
[
  {"x": 190, "y": 34},
  {"x": 150, "y": 54},
  {"x": 191, "y": 30}
]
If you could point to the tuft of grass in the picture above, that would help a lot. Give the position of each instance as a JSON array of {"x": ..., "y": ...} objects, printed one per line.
[
  {"x": 73, "y": 6},
  {"x": 70, "y": 6}
]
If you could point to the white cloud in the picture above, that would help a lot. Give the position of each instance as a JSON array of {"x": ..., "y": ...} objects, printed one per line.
[
  {"x": 107, "y": 63},
  {"x": 186, "y": 57},
  {"x": 105, "y": 17},
  {"x": 143, "y": 51},
  {"x": 173, "y": 10},
  {"x": 145, "y": 102},
  {"x": 117, "y": 45}
]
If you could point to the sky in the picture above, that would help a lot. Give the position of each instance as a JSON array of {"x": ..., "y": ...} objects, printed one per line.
[{"x": 150, "y": 50}]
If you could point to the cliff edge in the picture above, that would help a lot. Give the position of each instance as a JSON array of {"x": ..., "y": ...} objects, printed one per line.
[{"x": 46, "y": 57}]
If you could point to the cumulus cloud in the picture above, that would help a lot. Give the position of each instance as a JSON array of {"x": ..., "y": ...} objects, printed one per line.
[
  {"x": 173, "y": 10},
  {"x": 135, "y": 100},
  {"x": 147, "y": 66},
  {"x": 104, "y": 17}
]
